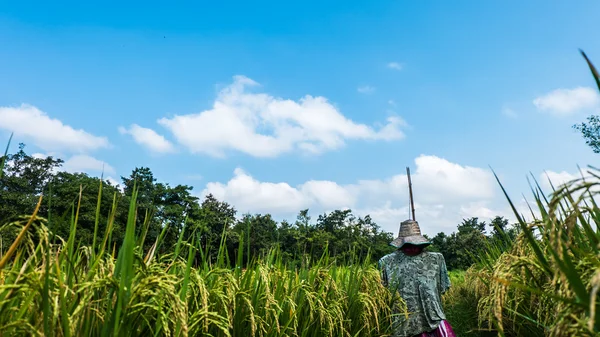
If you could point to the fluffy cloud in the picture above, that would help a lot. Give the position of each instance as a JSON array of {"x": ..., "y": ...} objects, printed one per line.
[
  {"x": 56, "y": 139},
  {"x": 45, "y": 132},
  {"x": 563, "y": 102},
  {"x": 528, "y": 208},
  {"x": 265, "y": 126},
  {"x": 552, "y": 179},
  {"x": 245, "y": 192},
  {"x": 444, "y": 192},
  {"x": 395, "y": 66},
  {"x": 366, "y": 89},
  {"x": 116, "y": 183},
  {"x": 148, "y": 138},
  {"x": 85, "y": 163},
  {"x": 80, "y": 163}
]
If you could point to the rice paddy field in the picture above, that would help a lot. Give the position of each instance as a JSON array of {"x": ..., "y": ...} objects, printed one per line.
[
  {"x": 544, "y": 283},
  {"x": 51, "y": 286}
]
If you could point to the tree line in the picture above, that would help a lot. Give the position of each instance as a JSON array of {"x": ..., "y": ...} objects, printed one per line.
[{"x": 174, "y": 212}]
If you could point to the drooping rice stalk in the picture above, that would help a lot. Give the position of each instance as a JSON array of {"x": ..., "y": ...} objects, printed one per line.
[
  {"x": 546, "y": 284},
  {"x": 50, "y": 286}
]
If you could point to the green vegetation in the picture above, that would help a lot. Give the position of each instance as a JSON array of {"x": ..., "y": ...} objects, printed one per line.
[
  {"x": 591, "y": 130},
  {"x": 460, "y": 305},
  {"x": 165, "y": 210},
  {"x": 78, "y": 256},
  {"x": 56, "y": 287}
]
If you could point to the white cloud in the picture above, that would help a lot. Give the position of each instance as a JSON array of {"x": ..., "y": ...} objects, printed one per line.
[
  {"x": 366, "y": 89},
  {"x": 265, "y": 126},
  {"x": 115, "y": 182},
  {"x": 45, "y": 132},
  {"x": 556, "y": 178},
  {"x": 85, "y": 163},
  {"x": 479, "y": 210},
  {"x": 38, "y": 155},
  {"x": 395, "y": 66},
  {"x": 551, "y": 179},
  {"x": 563, "y": 102},
  {"x": 524, "y": 207},
  {"x": 148, "y": 138},
  {"x": 328, "y": 194},
  {"x": 248, "y": 193},
  {"x": 444, "y": 192}
]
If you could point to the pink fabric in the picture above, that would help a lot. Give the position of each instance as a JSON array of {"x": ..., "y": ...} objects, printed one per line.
[{"x": 443, "y": 330}]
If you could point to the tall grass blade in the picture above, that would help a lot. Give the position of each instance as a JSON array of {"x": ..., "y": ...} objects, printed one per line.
[
  {"x": 3, "y": 159},
  {"x": 124, "y": 269},
  {"x": 595, "y": 73},
  {"x": 97, "y": 218},
  {"x": 13, "y": 247}
]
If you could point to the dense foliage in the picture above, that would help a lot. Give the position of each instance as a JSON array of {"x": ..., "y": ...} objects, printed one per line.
[
  {"x": 164, "y": 209},
  {"x": 53, "y": 286}
]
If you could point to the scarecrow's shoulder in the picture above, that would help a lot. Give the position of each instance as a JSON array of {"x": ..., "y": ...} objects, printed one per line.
[
  {"x": 388, "y": 258},
  {"x": 434, "y": 256}
]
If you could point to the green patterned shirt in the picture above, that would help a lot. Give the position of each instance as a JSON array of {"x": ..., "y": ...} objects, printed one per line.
[{"x": 421, "y": 280}]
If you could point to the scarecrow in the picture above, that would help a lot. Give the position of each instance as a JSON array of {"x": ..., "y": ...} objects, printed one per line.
[{"x": 420, "y": 277}]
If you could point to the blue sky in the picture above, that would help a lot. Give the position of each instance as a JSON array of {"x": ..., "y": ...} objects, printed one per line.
[{"x": 461, "y": 86}]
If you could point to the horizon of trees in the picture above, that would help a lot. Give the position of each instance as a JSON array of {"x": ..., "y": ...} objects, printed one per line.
[{"x": 343, "y": 235}]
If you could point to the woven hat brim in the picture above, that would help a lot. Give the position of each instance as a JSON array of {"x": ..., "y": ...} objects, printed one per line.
[{"x": 417, "y": 240}]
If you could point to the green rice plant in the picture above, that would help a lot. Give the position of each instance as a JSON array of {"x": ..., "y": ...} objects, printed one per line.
[
  {"x": 52, "y": 286},
  {"x": 546, "y": 284},
  {"x": 460, "y": 305}
]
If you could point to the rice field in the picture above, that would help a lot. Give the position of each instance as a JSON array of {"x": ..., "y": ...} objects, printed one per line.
[
  {"x": 544, "y": 283},
  {"x": 51, "y": 286},
  {"x": 547, "y": 283}
]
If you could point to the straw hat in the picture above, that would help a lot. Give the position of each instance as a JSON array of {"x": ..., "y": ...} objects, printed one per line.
[{"x": 409, "y": 233}]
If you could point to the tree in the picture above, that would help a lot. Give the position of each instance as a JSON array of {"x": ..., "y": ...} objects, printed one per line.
[
  {"x": 498, "y": 226},
  {"x": 164, "y": 209},
  {"x": 304, "y": 231},
  {"x": 24, "y": 179},
  {"x": 334, "y": 231},
  {"x": 471, "y": 225},
  {"x": 375, "y": 240},
  {"x": 160, "y": 206},
  {"x": 214, "y": 217},
  {"x": 259, "y": 232},
  {"x": 62, "y": 199},
  {"x": 288, "y": 237},
  {"x": 590, "y": 132},
  {"x": 173, "y": 207}
]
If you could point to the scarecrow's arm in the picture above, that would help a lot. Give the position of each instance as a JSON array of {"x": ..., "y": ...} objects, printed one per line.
[
  {"x": 384, "y": 275},
  {"x": 444, "y": 277}
]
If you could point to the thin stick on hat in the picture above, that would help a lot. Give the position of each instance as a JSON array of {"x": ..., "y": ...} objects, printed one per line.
[{"x": 412, "y": 205}]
